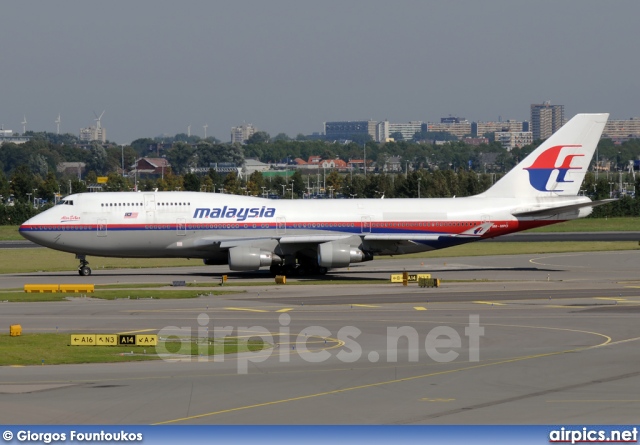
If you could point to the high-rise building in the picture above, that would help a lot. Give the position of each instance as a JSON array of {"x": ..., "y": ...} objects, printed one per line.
[
  {"x": 91, "y": 133},
  {"x": 458, "y": 129},
  {"x": 408, "y": 129},
  {"x": 242, "y": 133},
  {"x": 479, "y": 129},
  {"x": 382, "y": 131},
  {"x": 622, "y": 129},
  {"x": 546, "y": 119}
]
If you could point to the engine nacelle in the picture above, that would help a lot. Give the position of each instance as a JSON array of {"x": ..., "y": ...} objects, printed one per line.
[
  {"x": 249, "y": 258},
  {"x": 340, "y": 255}
]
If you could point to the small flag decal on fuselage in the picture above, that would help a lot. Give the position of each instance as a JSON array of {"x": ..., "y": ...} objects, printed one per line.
[{"x": 129, "y": 215}]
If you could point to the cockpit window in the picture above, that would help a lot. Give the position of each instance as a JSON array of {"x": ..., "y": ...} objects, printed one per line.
[{"x": 68, "y": 202}]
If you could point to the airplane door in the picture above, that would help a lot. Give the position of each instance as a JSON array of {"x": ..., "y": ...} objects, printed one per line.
[
  {"x": 102, "y": 227},
  {"x": 181, "y": 226},
  {"x": 366, "y": 224},
  {"x": 149, "y": 201},
  {"x": 150, "y": 206},
  {"x": 281, "y": 225}
]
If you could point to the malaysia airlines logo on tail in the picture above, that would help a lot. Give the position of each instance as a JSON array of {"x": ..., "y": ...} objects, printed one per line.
[{"x": 543, "y": 167}]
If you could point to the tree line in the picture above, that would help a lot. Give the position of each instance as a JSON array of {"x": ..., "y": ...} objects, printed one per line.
[{"x": 28, "y": 171}]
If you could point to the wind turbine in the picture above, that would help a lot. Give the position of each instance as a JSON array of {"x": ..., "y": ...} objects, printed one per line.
[
  {"x": 97, "y": 119},
  {"x": 205, "y": 130},
  {"x": 58, "y": 124},
  {"x": 24, "y": 124}
]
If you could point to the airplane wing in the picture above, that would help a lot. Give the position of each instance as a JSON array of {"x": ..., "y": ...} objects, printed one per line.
[
  {"x": 225, "y": 243},
  {"x": 474, "y": 232},
  {"x": 562, "y": 209}
]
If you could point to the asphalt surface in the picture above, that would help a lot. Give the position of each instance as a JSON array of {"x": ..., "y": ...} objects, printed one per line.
[{"x": 558, "y": 344}]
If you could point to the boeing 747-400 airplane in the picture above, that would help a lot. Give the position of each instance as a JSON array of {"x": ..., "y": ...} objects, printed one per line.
[{"x": 311, "y": 236}]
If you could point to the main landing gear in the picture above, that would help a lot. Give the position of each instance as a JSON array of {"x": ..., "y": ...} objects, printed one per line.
[
  {"x": 304, "y": 267},
  {"x": 83, "y": 269}
]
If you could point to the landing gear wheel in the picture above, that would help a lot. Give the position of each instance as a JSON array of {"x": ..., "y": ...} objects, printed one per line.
[{"x": 83, "y": 269}]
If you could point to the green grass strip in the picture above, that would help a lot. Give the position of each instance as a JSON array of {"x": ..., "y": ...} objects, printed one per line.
[{"x": 53, "y": 349}]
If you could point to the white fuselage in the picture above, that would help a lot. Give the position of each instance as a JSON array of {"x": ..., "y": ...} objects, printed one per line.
[{"x": 199, "y": 225}]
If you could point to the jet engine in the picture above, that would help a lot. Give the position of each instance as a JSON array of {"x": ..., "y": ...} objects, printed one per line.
[
  {"x": 250, "y": 258},
  {"x": 340, "y": 255}
]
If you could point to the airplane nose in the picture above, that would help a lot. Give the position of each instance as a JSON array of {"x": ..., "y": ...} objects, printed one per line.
[
  {"x": 28, "y": 231},
  {"x": 24, "y": 230}
]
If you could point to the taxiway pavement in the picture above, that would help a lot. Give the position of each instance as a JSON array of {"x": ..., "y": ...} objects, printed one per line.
[{"x": 558, "y": 343}]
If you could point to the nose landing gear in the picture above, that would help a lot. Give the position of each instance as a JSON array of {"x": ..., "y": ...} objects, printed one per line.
[{"x": 83, "y": 269}]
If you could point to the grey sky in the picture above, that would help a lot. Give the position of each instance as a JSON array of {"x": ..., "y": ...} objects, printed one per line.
[{"x": 157, "y": 66}]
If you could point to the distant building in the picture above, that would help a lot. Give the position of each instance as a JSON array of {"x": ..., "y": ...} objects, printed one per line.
[
  {"x": 7, "y": 136},
  {"x": 513, "y": 139},
  {"x": 546, "y": 119},
  {"x": 382, "y": 131},
  {"x": 408, "y": 130},
  {"x": 622, "y": 129},
  {"x": 338, "y": 130},
  {"x": 479, "y": 129},
  {"x": 299, "y": 161},
  {"x": 392, "y": 164},
  {"x": 91, "y": 133},
  {"x": 458, "y": 129},
  {"x": 475, "y": 141},
  {"x": 254, "y": 165},
  {"x": 151, "y": 166},
  {"x": 242, "y": 133}
]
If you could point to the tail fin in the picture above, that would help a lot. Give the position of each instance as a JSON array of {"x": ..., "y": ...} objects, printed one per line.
[{"x": 557, "y": 167}]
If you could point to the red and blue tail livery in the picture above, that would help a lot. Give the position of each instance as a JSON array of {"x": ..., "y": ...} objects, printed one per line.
[{"x": 544, "y": 166}]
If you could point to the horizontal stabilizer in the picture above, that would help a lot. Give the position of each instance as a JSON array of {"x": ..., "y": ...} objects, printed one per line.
[{"x": 563, "y": 209}]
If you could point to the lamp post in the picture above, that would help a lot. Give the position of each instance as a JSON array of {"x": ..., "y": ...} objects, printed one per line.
[
  {"x": 263, "y": 191},
  {"x": 419, "y": 179},
  {"x": 610, "y": 189},
  {"x": 34, "y": 197},
  {"x": 364, "y": 159},
  {"x": 283, "y": 186}
]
